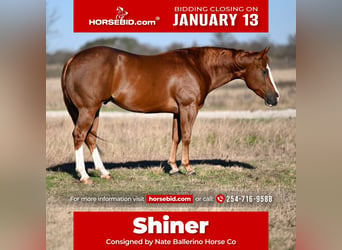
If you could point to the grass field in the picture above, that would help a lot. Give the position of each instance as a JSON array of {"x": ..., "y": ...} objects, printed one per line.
[{"x": 230, "y": 156}]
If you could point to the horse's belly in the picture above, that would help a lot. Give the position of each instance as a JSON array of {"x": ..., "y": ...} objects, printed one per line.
[{"x": 147, "y": 104}]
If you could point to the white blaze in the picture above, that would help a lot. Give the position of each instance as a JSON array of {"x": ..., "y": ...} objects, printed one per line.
[{"x": 272, "y": 80}]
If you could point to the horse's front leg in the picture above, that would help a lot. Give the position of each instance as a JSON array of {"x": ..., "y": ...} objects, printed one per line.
[{"x": 188, "y": 115}]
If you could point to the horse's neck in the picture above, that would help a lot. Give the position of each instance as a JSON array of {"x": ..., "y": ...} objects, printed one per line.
[
  {"x": 220, "y": 73},
  {"x": 219, "y": 79}
]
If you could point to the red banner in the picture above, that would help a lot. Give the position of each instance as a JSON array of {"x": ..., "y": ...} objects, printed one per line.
[
  {"x": 170, "y": 16},
  {"x": 187, "y": 230}
]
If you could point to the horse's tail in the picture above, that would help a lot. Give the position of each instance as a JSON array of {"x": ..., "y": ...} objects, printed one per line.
[{"x": 72, "y": 109}]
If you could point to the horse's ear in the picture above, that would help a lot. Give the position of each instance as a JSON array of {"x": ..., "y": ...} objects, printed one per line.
[
  {"x": 264, "y": 52},
  {"x": 267, "y": 49}
]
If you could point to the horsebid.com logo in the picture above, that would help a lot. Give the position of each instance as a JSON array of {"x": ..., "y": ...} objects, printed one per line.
[{"x": 120, "y": 20}]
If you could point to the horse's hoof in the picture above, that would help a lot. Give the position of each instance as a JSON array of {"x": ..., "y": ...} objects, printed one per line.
[
  {"x": 174, "y": 172},
  {"x": 86, "y": 181},
  {"x": 191, "y": 173},
  {"x": 107, "y": 177}
]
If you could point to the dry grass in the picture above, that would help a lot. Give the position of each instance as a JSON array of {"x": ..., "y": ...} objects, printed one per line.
[
  {"x": 140, "y": 139},
  {"x": 222, "y": 153},
  {"x": 233, "y": 96}
]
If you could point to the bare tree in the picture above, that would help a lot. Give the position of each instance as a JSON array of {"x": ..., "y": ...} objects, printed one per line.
[
  {"x": 51, "y": 18},
  {"x": 224, "y": 40},
  {"x": 174, "y": 46}
]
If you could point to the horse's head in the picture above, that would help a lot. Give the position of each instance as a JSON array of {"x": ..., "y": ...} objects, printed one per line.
[
  {"x": 121, "y": 10},
  {"x": 258, "y": 76}
]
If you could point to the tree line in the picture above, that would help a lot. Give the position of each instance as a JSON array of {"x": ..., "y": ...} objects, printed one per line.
[{"x": 283, "y": 55}]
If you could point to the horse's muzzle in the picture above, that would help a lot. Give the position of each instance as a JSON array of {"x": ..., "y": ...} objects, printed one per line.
[{"x": 271, "y": 100}]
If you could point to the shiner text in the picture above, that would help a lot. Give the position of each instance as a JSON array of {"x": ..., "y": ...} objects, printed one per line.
[{"x": 151, "y": 226}]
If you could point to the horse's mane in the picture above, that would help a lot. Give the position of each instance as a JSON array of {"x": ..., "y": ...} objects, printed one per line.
[{"x": 213, "y": 56}]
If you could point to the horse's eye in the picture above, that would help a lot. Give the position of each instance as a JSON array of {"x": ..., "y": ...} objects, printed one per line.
[{"x": 265, "y": 72}]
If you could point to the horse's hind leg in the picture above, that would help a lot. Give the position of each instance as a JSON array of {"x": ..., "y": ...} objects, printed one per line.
[
  {"x": 176, "y": 136},
  {"x": 91, "y": 143},
  {"x": 83, "y": 124}
]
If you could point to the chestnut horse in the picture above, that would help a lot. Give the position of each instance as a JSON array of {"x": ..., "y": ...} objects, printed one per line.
[{"x": 174, "y": 82}]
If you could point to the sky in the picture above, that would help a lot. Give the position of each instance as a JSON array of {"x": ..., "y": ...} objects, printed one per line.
[{"x": 282, "y": 23}]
